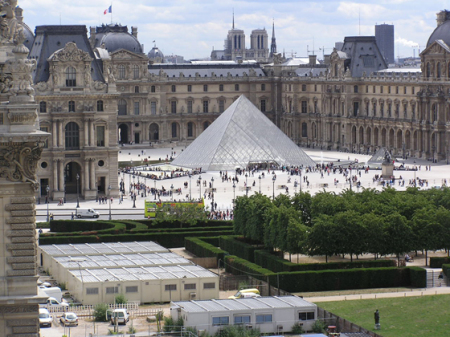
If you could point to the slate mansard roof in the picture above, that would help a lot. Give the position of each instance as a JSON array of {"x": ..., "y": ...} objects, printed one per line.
[{"x": 50, "y": 39}]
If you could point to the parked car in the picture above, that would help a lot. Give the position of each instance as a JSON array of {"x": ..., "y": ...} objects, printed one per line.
[
  {"x": 87, "y": 213},
  {"x": 122, "y": 316},
  {"x": 44, "y": 318},
  {"x": 246, "y": 293},
  {"x": 55, "y": 305},
  {"x": 69, "y": 318}
]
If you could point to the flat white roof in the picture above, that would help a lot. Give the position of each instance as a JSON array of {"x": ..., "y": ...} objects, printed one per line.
[{"x": 275, "y": 302}]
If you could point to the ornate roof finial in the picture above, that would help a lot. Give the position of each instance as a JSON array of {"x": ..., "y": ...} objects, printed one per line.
[{"x": 233, "y": 18}]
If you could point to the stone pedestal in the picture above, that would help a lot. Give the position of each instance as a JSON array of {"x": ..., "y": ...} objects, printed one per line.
[{"x": 387, "y": 171}]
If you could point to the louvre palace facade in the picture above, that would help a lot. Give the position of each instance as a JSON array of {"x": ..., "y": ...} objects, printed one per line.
[{"x": 98, "y": 92}]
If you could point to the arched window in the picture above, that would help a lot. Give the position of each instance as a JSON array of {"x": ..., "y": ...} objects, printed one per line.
[
  {"x": 43, "y": 107},
  {"x": 355, "y": 89},
  {"x": 72, "y": 136},
  {"x": 71, "y": 106},
  {"x": 71, "y": 77},
  {"x": 152, "y": 88},
  {"x": 174, "y": 130},
  {"x": 99, "y": 105},
  {"x": 205, "y": 125},
  {"x": 135, "y": 72},
  {"x": 428, "y": 70},
  {"x": 122, "y": 106},
  {"x": 190, "y": 129},
  {"x": 121, "y": 71}
]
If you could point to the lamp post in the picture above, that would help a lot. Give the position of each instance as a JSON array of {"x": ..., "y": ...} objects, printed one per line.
[
  {"x": 171, "y": 191},
  {"x": 200, "y": 184},
  {"x": 295, "y": 186},
  {"x": 109, "y": 196},
  {"x": 212, "y": 194},
  {"x": 259, "y": 178},
  {"x": 48, "y": 200},
  {"x": 78, "y": 191},
  {"x": 246, "y": 184},
  {"x": 273, "y": 190},
  {"x": 129, "y": 181},
  {"x": 234, "y": 193},
  {"x": 145, "y": 186},
  {"x": 300, "y": 180},
  {"x": 190, "y": 176},
  {"x": 350, "y": 178},
  {"x": 134, "y": 184}
]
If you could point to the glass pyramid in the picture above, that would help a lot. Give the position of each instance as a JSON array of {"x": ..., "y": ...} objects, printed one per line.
[
  {"x": 378, "y": 157},
  {"x": 241, "y": 135}
]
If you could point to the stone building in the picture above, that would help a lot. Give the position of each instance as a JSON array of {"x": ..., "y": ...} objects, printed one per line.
[
  {"x": 76, "y": 93},
  {"x": 21, "y": 145}
]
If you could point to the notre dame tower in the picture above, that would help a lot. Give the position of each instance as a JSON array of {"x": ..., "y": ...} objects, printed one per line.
[{"x": 20, "y": 149}]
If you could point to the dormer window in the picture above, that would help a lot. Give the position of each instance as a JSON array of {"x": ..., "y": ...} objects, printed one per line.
[{"x": 71, "y": 77}]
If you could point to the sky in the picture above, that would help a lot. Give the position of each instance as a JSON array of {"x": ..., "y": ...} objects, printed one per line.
[{"x": 193, "y": 28}]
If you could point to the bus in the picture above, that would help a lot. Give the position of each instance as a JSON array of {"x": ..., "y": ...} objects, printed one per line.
[{"x": 151, "y": 206}]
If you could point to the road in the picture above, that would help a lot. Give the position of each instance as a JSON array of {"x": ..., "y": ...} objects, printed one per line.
[{"x": 116, "y": 214}]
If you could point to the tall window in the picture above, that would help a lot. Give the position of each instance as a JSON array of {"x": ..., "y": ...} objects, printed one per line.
[
  {"x": 355, "y": 108},
  {"x": 71, "y": 106},
  {"x": 263, "y": 87},
  {"x": 99, "y": 105},
  {"x": 304, "y": 130},
  {"x": 72, "y": 136},
  {"x": 100, "y": 136},
  {"x": 135, "y": 72},
  {"x": 153, "y": 108},
  {"x": 174, "y": 134},
  {"x": 173, "y": 107},
  {"x": 220, "y": 87},
  {"x": 174, "y": 88},
  {"x": 121, "y": 69},
  {"x": 122, "y": 105},
  {"x": 221, "y": 105},
  {"x": 205, "y": 125},
  {"x": 136, "y": 89},
  {"x": 71, "y": 77},
  {"x": 303, "y": 87},
  {"x": 205, "y": 106},
  {"x": 189, "y": 106},
  {"x": 43, "y": 107},
  {"x": 152, "y": 88},
  {"x": 355, "y": 89},
  {"x": 190, "y": 129},
  {"x": 136, "y": 108},
  {"x": 236, "y": 87},
  {"x": 263, "y": 105},
  {"x": 189, "y": 88},
  {"x": 205, "y": 87},
  {"x": 304, "y": 107}
]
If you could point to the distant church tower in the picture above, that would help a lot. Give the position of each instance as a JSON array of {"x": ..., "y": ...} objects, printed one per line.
[{"x": 273, "y": 45}]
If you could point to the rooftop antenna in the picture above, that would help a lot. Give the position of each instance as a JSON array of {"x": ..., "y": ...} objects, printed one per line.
[
  {"x": 359, "y": 18},
  {"x": 233, "y": 18}
]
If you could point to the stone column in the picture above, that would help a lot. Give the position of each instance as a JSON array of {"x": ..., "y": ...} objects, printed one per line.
[
  {"x": 86, "y": 133},
  {"x": 92, "y": 173},
  {"x": 55, "y": 175},
  {"x": 92, "y": 133},
  {"x": 55, "y": 133},
  {"x": 61, "y": 176},
  {"x": 86, "y": 175},
  {"x": 60, "y": 134}
]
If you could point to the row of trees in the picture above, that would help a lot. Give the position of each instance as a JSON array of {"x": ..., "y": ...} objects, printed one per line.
[{"x": 381, "y": 223}]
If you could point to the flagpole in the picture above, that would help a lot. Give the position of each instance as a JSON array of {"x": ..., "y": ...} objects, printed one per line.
[{"x": 111, "y": 13}]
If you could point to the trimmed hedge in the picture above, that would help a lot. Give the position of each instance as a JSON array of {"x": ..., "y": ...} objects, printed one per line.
[
  {"x": 446, "y": 269},
  {"x": 201, "y": 248},
  {"x": 277, "y": 264},
  {"x": 437, "y": 262},
  {"x": 234, "y": 246},
  {"x": 361, "y": 278},
  {"x": 418, "y": 277},
  {"x": 168, "y": 240},
  {"x": 63, "y": 226},
  {"x": 239, "y": 266}
]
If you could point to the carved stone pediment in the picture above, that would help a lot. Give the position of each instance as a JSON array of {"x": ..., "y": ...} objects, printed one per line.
[{"x": 71, "y": 53}]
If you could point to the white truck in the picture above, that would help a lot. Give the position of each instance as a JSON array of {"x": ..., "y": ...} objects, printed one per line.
[
  {"x": 121, "y": 315},
  {"x": 54, "y": 305},
  {"x": 87, "y": 213}
]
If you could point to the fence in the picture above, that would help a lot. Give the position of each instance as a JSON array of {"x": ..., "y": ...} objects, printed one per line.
[
  {"x": 86, "y": 310},
  {"x": 342, "y": 325}
]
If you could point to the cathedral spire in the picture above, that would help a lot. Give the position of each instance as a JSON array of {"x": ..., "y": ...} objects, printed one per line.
[
  {"x": 233, "y": 19},
  {"x": 273, "y": 45}
]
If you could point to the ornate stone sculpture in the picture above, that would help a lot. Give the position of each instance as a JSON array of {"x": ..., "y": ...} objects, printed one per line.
[{"x": 11, "y": 31}]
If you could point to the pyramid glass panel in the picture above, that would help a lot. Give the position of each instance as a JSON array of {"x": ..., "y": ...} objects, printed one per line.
[{"x": 240, "y": 136}]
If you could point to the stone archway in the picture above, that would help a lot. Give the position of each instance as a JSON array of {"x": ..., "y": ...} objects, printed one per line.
[
  {"x": 123, "y": 133},
  {"x": 71, "y": 170},
  {"x": 153, "y": 132}
]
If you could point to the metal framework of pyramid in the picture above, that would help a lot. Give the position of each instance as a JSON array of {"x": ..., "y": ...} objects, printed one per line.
[
  {"x": 240, "y": 136},
  {"x": 378, "y": 157}
]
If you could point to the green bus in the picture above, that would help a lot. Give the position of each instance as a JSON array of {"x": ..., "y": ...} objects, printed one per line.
[{"x": 152, "y": 206}]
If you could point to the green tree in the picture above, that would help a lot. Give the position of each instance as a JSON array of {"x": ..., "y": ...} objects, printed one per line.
[
  {"x": 321, "y": 239},
  {"x": 397, "y": 235},
  {"x": 351, "y": 233},
  {"x": 297, "y": 234},
  {"x": 120, "y": 299},
  {"x": 374, "y": 239},
  {"x": 100, "y": 312},
  {"x": 241, "y": 215},
  {"x": 184, "y": 213},
  {"x": 302, "y": 204},
  {"x": 258, "y": 206}
]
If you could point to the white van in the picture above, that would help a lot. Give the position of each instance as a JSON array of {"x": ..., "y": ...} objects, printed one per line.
[
  {"x": 87, "y": 213},
  {"x": 54, "y": 292},
  {"x": 44, "y": 318},
  {"x": 54, "y": 305},
  {"x": 122, "y": 316}
]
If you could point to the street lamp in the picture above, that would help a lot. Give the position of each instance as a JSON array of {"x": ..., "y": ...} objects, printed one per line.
[
  {"x": 78, "y": 192},
  {"x": 295, "y": 186},
  {"x": 155, "y": 187},
  {"x": 171, "y": 191},
  {"x": 190, "y": 186},
  {"x": 48, "y": 200},
  {"x": 259, "y": 178},
  {"x": 273, "y": 190},
  {"x": 300, "y": 180},
  {"x": 246, "y": 185},
  {"x": 109, "y": 196},
  {"x": 134, "y": 184},
  {"x": 234, "y": 193},
  {"x": 129, "y": 181},
  {"x": 200, "y": 183},
  {"x": 145, "y": 186},
  {"x": 212, "y": 194},
  {"x": 350, "y": 178}
]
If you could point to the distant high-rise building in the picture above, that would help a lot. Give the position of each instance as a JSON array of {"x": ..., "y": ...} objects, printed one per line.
[{"x": 384, "y": 34}]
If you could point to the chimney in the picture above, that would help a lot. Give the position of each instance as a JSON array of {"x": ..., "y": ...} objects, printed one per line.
[
  {"x": 312, "y": 60},
  {"x": 441, "y": 17},
  {"x": 134, "y": 31},
  {"x": 92, "y": 37}
]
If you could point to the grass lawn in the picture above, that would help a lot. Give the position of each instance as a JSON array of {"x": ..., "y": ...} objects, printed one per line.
[{"x": 424, "y": 316}]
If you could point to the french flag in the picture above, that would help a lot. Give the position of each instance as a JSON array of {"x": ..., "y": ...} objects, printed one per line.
[{"x": 109, "y": 10}]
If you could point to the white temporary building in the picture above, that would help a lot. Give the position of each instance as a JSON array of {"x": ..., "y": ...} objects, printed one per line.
[
  {"x": 273, "y": 314},
  {"x": 144, "y": 272}
]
